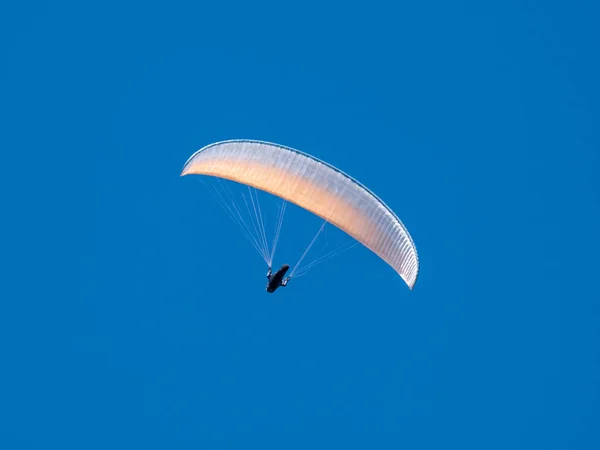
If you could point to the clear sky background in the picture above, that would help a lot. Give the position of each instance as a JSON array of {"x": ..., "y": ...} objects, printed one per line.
[{"x": 133, "y": 312}]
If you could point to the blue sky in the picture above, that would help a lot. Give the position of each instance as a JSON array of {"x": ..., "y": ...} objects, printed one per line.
[{"x": 134, "y": 313}]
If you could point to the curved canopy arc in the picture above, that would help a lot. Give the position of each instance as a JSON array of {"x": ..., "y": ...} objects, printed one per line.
[{"x": 316, "y": 186}]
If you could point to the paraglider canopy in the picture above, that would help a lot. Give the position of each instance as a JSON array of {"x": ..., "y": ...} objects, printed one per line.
[{"x": 318, "y": 187}]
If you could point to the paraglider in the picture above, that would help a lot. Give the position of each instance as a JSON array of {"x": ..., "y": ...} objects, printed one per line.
[
  {"x": 317, "y": 187},
  {"x": 276, "y": 279}
]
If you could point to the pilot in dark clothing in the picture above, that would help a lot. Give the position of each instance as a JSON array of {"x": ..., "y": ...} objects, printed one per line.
[{"x": 276, "y": 279}]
